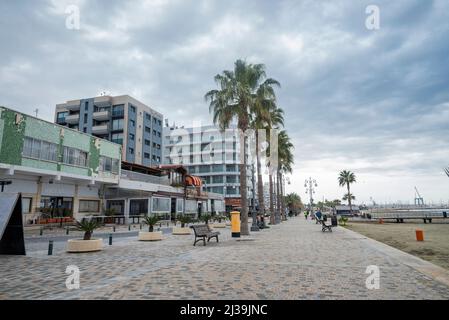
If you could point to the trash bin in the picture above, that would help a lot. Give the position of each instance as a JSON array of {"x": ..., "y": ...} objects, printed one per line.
[
  {"x": 334, "y": 221},
  {"x": 419, "y": 235}
]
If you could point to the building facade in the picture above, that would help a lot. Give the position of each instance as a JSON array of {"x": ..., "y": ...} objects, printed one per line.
[
  {"x": 59, "y": 171},
  {"x": 210, "y": 154},
  {"x": 120, "y": 119},
  {"x": 62, "y": 172}
]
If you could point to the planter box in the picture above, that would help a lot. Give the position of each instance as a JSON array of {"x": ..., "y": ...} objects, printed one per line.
[
  {"x": 219, "y": 225},
  {"x": 150, "y": 236},
  {"x": 181, "y": 231},
  {"x": 80, "y": 245}
]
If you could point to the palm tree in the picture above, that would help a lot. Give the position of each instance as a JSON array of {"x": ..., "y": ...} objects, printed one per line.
[
  {"x": 285, "y": 163},
  {"x": 276, "y": 120},
  {"x": 347, "y": 196},
  {"x": 266, "y": 115},
  {"x": 347, "y": 177},
  {"x": 236, "y": 100}
]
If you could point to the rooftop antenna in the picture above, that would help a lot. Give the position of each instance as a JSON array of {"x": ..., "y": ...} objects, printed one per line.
[{"x": 36, "y": 111}]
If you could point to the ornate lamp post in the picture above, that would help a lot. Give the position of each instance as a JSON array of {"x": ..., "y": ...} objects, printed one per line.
[{"x": 310, "y": 185}]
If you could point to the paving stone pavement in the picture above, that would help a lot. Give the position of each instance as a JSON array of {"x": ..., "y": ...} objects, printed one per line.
[{"x": 293, "y": 260}]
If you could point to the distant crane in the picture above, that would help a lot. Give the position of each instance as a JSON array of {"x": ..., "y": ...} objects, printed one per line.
[
  {"x": 419, "y": 201},
  {"x": 446, "y": 170}
]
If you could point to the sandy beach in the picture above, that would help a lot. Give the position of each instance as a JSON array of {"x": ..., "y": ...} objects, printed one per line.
[{"x": 434, "y": 248}]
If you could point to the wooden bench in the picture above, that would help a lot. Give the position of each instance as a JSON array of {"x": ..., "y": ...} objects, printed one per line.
[{"x": 202, "y": 231}]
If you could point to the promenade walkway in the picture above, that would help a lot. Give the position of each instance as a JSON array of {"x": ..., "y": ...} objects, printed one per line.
[{"x": 293, "y": 260}]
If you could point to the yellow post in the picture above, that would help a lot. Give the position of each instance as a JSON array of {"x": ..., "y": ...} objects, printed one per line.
[{"x": 235, "y": 224}]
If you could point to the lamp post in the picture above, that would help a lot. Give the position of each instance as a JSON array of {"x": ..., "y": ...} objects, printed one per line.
[
  {"x": 310, "y": 185},
  {"x": 254, "y": 226}
]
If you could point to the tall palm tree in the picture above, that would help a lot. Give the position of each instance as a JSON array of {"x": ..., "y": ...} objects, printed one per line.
[
  {"x": 285, "y": 163},
  {"x": 276, "y": 120},
  {"x": 266, "y": 114},
  {"x": 347, "y": 177},
  {"x": 236, "y": 100}
]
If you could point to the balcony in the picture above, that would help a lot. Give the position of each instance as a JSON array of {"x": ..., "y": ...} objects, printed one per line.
[
  {"x": 100, "y": 129},
  {"x": 73, "y": 105},
  {"x": 101, "y": 115},
  {"x": 72, "y": 119}
]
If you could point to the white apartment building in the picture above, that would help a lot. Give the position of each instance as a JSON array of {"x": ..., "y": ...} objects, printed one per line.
[{"x": 210, "y": 154}]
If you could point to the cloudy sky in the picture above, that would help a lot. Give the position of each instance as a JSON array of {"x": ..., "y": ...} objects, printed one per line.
[{"x": 372, "y": 101}]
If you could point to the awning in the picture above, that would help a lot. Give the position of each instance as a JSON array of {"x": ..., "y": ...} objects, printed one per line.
[{"x": 193, "y": 181}]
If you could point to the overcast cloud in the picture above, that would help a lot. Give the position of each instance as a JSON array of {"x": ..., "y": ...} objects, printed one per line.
[{"x": 374, "y": 102}]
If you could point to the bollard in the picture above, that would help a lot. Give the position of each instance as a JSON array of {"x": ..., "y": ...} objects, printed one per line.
[
  {"x": 41, "y": 231},
  {"x": 235, "y": 224},
  {"x": 110, "y": 239},
  {"x": 113, "y": 228},
  {"x": 129, "y": 227},
  {"x": 50, "y": 247},
  {"x": 67, "y": 230},
  {"x": 419, "y": 235}
]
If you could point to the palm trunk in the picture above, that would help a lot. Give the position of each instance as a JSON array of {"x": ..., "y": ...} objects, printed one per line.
[
  {"x": 271, "y": 199},
  {"x": 259, "y": 177},
  {"x": 282, "y": 198},
  {"x": 244, "y": 230},
  {"x": 349, "y": 200},
  {"x": 278, "y": 199}
]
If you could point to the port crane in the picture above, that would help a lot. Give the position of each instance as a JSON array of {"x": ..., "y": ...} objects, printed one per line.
[{"x": 419, "y": 201}]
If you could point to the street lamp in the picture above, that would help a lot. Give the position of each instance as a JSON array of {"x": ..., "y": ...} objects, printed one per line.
[{"x": 310, "y": 185}]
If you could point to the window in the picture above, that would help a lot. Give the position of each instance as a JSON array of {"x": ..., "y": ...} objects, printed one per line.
[
  {"x": 117, "y": 124},
  {"x": 109, "y": 165},
  {"x": 131, "y": 136},
  {"x": 161, "y": 204},
  {"x": 60, "y": 118},
  {"x": 158, "y": 159},
  {"x": 85, "y": 118},
  {"x": 159, "y": 134},
  {"x": 75, "y": 157},
  {"x": 117, "y": 138},
  {"x": 159, "y": 122},
  {"x": 89, "y": 206},
  {"x": 179, "y": 205},
  {"x": 132, "y": 108},
  {"x": 154, "y": 144},
  {"x": 146, "y": 155},
  {"x": 147, "y": 129},
  {"x": 154, "y": 132},
  {"x": 131, "y": 150},
  {"x": 147, "y": 142},
  {"x": 153, "y": 157},
  {"x": 26, "y": 205},
  {"x": 147, "y": 116},
  {"x": 118, "y": 110},
  {"x": 86, "y": 106},
  {"x": 85, "y": 130},
  {"x": 138, "y": 206},
  {"x": 158, "y": 146},
  {"x": 132, "y": 122},
  {"x": 39, "y": 149},
  {"x": 154, "y": 120},
  {"x": 217, "y": 179}
]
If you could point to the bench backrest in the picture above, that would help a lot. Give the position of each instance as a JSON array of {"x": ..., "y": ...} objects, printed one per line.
[{"x": 201, "y": 229}]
